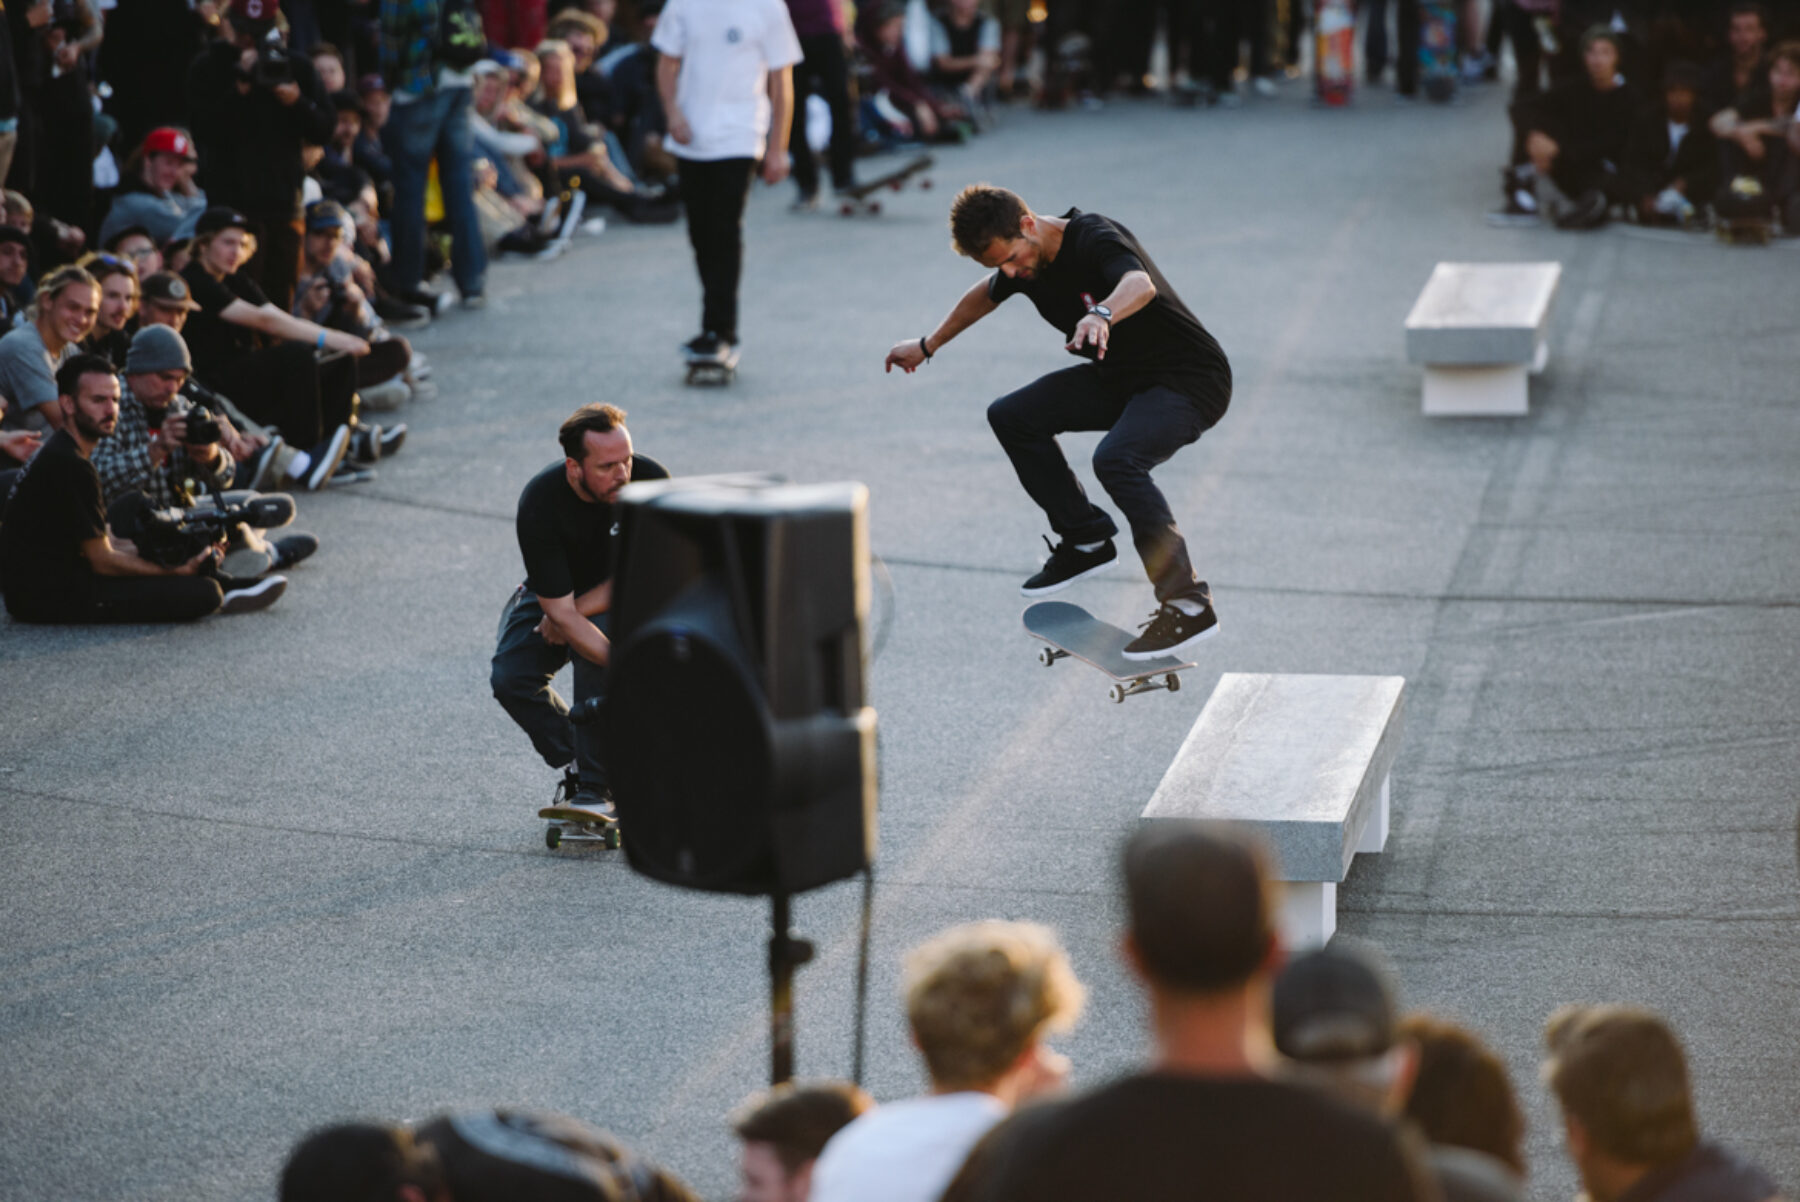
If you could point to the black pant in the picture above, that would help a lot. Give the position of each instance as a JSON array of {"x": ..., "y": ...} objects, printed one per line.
[
  {"x": 281, "y": 239},
  {"x": 1375, "y": 44},
  {"x": 523, "y": 667},
  {"x": 130, "y": 599},
  {"x": 287, "y": 387},
  {"x": 824, "y": 71},
  {"x": 714, "y": 194},
  {"x": 1144, "y": 429}
]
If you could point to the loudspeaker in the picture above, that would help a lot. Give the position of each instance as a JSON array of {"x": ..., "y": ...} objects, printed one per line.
[{"x": 739, "y": 750}]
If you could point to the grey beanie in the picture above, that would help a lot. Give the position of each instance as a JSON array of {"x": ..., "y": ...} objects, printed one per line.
[{"x": 157, "y": 348}]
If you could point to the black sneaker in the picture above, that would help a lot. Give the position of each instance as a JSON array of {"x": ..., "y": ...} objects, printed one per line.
[
  {"x": 259, "y": 470},
  {"x": 1588, "y": 212},
  {"x": 260, "y": 595},
  {"x": 703, "y": 346},
  {"x": 326, "y": 458},
  {"x": 290, "y": 549},
  {"x": 595, "y": 801},
  {"x": 1066, "y": 565},
  {"x": 1170, "y": 632},
  {"x": 365, "y": 444}
]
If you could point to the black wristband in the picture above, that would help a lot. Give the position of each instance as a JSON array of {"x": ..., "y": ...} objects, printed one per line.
[{"x": 924, "y": 349}]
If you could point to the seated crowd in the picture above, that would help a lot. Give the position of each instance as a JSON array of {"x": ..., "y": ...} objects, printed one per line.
[{"x": 1269, "y": 1078}]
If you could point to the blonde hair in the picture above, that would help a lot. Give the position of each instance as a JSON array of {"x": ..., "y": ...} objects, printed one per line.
[
  {"x": 51, "y": 287},
  {"x": 979, "y": 995}
]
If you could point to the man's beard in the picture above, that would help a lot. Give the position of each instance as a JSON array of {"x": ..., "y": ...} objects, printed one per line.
[{"x": 91, "y": 430}]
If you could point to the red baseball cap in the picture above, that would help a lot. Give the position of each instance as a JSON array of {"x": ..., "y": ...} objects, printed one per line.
[
  {"x": 256, "y": 10},
  {"x": 169, "y": 140}
]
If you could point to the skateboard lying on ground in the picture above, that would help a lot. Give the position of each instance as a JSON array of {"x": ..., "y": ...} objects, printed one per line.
[
  {"x": 575, "y": 824},
  {"x": 712, "y": 369},
  {"x": 1072, "y": 631},
  {"x": 856, "y": 200}
]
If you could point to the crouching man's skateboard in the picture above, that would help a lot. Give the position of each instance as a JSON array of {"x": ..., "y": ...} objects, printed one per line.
[
  {"x": 1072, "y": 631},
  {"x": 712, "y": 369},
  {"x": 571, "y": 823},
  {"x": 857, "y": 200}
]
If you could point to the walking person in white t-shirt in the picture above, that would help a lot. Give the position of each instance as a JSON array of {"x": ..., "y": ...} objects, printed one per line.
[
  {"x": 980, "y": 999},
  {"x": 726, "y": 81}
]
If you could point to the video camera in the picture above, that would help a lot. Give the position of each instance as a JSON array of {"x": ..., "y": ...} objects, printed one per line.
[
  {"x": 274, "y": 64},
  {"x": 173, "y": 536},
  {"x": 202, "y": 426}
]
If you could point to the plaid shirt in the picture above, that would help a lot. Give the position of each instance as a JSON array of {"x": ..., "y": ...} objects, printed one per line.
[{"x": 123, "y": 458}]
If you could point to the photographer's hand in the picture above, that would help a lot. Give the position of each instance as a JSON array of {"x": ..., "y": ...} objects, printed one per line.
[
  {"x": 551, "y": 633},
  {"x": 286, "y": 93},
  {"x": 196, "y": 565},
  {"x": 174, "y": 430}
]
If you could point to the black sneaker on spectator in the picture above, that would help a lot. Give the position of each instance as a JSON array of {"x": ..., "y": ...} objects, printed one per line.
[
  {"x": 1067, "y": 564},
  {"x": 352, "y": 473},
  {"x": 434, "y": 303},
  {"x": 1171, "y": 630},
  {"x": 1585, "y": 212},
  {"x": 256, "y": 595},
  {"x": 365, "y": 444},
  {"x": 397, "y": 314},
  {"x": 321, "y": 461},
  {"x": 290, "y": 549},
  {"x": 597, "y": 802}
]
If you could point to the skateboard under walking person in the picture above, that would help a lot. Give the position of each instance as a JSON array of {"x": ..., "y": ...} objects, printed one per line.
[
  {"x": 726, "y": 82},
  {"x": 1156, "y": 380}
]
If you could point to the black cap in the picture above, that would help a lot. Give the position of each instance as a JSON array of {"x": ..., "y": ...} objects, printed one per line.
[
  {"x": 1335, "y": 1004},
  {"x": 167, "y": 288},
  {"x": 324, "y": 215},
  {"x": 12, "y": 233},
  {"x": 221, "y": 217}
]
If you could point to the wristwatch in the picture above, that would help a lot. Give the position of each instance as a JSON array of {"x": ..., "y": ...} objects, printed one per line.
[{"x": 1101, "y": 311}]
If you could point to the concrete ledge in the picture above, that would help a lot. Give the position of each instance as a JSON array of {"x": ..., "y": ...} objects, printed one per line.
[{"x": 1482, "y": 314}]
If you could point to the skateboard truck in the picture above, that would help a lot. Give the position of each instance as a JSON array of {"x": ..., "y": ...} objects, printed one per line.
[{"x": 1119, "y": 692}]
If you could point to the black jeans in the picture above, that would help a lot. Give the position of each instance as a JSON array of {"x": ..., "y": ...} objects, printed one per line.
[
  {"x": 522, "y": 669},
  {"x": 1144, "y": 429},
  {"x": 132, "y": 599},
  {"x": 824, "y": 71},
  {"x": 714, "y": 194},
  {"x": 287, "y": 386},
  {"x": 1375, "y": 44}
]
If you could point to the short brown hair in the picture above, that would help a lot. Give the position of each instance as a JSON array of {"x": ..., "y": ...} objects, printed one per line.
[
  {"x": 1202, "y": 904},
  {"x": 1787, "y": 52},
  {"x": 1462, "y": 1096},
  {"x": 978, "y": 995},
  {"x": 1619, "y": 1071},
  {"x": 599, "y": 418},
  {"x": 982, "y": 213},
  {"x": 573, "y": 19},
  {"x": 797, "y": 1119}
]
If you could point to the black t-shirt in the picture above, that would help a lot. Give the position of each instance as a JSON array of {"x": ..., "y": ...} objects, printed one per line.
[
  {"x": 568, "y": 542},
  {"x": 213, "y": 341},
  {"x": 1163, "y": 1137},
  {"x": 56, "y": 506},
  {"x": 1162, "y": 343}
]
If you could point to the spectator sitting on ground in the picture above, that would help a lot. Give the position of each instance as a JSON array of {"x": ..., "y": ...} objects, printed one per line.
[
  {"x": 135, "y": 245},
  {"x": 57, "y": 559},
  {"x": 1574, "y": 136},
  {"x": 56, "y": 242},
  {"x": 110, "y": 337},
  {"x": 1628, "y": 1114},
  {"x": 474, "y": 1157},
  {"x": 68, "y": 299},
  {"x": 1212, "y": 1108},
  {"x": 1462, "y": 1099},
  {"x": 150, "y": 452},
  {"x": 332, "y": 296},
  {"x": 1761, "y": 147},
  {"x": 366, "y": 151},
  {"x": 510, "y": 150},
  {"x": 579, "y": 154},
  {"x": 328, "y": 65},
  {"x": 584, "y": 34},
  {"x": 980, "y": 1000},
  {"x": 1336, "y": 1020},
  {"x": 15, "y": 268},
  {"x": 1741, "y": 76},
  {"x": 156, "y": 189},
  {"x": 1671, "y": 159},
  {"x": 921, "y": 113},
  {"x": 637, "y": 110},
  {"x": 284, "y": 385},
  {"x": 784, "y": 1130},
  {"x": 965, "y": 50}
]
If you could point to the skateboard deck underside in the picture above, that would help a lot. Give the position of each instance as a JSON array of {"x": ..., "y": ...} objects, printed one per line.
[{"x": 1074, "y": 631}]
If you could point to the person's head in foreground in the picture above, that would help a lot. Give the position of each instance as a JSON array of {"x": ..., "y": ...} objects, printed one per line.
[
  {"x": 783, "y": 1131},
  {"x": 1621, "y": 1080},
  {"x": 1462, "y": 1096},
  {"x": 1336, "y": 1020}
]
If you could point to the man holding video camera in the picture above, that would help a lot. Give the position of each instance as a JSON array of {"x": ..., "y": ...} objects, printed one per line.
[
  {"x": 58, "y": 561},
  {"x": 255, "y": 104}
]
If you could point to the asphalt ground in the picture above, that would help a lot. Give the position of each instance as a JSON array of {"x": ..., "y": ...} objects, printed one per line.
[{"x": 268, "y": 872}]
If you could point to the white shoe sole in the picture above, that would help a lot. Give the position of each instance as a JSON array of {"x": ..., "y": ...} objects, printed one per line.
[
  {"x": 1060, "y": 585},
  {"x": 260, "y": 595},
  {"x": 1177, "y": 651},
  {"x": 318, "y": 475}
]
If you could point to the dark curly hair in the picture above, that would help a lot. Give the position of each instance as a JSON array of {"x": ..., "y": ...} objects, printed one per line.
[{"x": 981, "y": 214}]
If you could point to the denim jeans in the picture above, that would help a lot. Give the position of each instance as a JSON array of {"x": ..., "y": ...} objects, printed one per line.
[
  {"x": 1143, "y": 430},
  {"x": 434, "y": 125},
  {"x": 521, "y": 673}
]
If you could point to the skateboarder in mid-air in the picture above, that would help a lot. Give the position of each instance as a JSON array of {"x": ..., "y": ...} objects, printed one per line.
[{"x": 1155, "y": 381}]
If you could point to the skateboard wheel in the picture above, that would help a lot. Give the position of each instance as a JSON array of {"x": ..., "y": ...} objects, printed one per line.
[
  {"x": 553, "y": 838},
  {"x": 1117, "y": 693},
  {"x": 1172, "y": 682},
  {"x": 846, "y": 210},
  {"x": 612, "y": 839},
  {"x": 895, "y": 186},
  {"x": 925, "y": 185},
  {"x": 1046, "y": 657}
]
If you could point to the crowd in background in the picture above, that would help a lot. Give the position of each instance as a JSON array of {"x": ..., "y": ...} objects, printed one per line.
[{"x": 1271, "y": 1078}]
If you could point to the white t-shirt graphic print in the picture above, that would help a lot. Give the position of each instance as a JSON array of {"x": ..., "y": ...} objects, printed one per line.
[{"x": 727, "y": 49}]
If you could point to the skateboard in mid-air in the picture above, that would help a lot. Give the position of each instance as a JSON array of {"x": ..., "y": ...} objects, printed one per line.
[
  {"x": 856, "y": 200},
  {"x": 720, "y": 368},
  {"x": 1070, "y": 630},
  {"x": 570, "y": 823}
]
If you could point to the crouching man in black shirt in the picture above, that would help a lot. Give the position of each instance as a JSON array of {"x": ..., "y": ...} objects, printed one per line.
[
  {"x": 565, "y": 526},
  {"x": 57, "y": 560},
  {"x": 1156, "y": 381}
]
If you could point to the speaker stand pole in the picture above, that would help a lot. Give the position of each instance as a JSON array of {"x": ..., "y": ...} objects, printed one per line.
[{"x": 786, "y": 954}]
